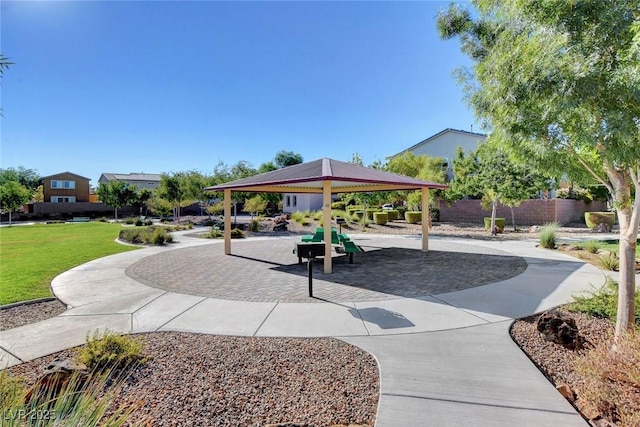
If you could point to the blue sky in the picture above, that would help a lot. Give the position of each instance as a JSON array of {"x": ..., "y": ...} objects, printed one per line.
[{"x": 167, "y": 86}]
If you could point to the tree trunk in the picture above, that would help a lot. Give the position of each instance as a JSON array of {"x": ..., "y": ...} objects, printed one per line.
[
  {"x": 9, "y": 218},
  {"x": 513, "y": 219},
  {"x": 116, "y": 214},
  {"x": 494, "y": 207},
  {"x": 628, "y": 219}
]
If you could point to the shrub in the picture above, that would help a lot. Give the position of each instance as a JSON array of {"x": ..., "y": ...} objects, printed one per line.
[
  {"x": 254, "y": 226},
  {"x": 548, "y": 235},
  {"x": 103, "y": 219},
  {"x": 338, "y": 205},
  {"x": 139, "y": 222},
  {"x": 354, "y": 208},
  {"x": 317, "y": 215},
  {"x": 159, "y": 237},
  {"x": 393, "y": 214},
  {"x": 602, "y": 303},
  {"x": 300, "y": 217},
  {"x": 591, "y": 246},
  {"x": 612, "y": 378},
  {"x": 371, "y": 211},
  {"x": 130, "y": 220},
  {"x": 380, "y": 218},
  {"x": 413, "y": 217},
  {"x": 81, "y": 401},
  {"x": 146, "y": 235},
  {"x": 435, "y": 214},
  {"x": 610, "y": 262},
  {"x": 214, "y": 234},
  {"x": 236, "y": 233},
  {"x": 110, "y": 351}
]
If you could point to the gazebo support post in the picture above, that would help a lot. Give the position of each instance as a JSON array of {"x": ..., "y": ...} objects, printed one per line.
[
  {"x": 227, "y": 222},
  {"x": 326, "y": 222},
  {"x": 425, "y": 219}
]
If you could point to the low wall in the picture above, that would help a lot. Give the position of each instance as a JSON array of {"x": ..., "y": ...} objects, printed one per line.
[
  {"x": 530, "y": 212},
  {"x": 68, "y": 210}
]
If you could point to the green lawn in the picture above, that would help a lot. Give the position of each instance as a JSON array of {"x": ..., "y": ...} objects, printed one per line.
[
  {"x": 32, "y": 255},
  {"x": 611, "y": 245}
]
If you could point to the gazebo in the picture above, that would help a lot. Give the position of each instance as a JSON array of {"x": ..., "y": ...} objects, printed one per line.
[{"x": 325, "y": 176}]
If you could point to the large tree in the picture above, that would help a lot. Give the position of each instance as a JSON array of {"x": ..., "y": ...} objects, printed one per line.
[
  {"x": 559, "y": 83},
  {"x": 27, "y": 177},
  {"x": 13, "y": 196},
  {"x": 116, "y": 194}
]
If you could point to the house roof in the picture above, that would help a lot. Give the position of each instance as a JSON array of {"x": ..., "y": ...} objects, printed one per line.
[
  {"x": 437, "y": 135},
  {"x": 310, "y": 178},
  {"x": 65, "y": 173},
  {"x": 131, "y": 176}
]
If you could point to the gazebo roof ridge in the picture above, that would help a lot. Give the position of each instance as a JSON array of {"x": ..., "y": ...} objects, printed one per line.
[{"x": 313, "y": 174}]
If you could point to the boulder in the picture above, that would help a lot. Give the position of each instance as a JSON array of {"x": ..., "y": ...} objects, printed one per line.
[
  {"x": 559, "y": 328},
  {"x": 56, "y": 377}
]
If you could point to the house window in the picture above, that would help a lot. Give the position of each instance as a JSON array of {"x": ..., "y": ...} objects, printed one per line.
[
  {"x": 288, "y": 204},
  {"x": 63, "y": 199},
  {"x": 295, "y": 201},
  {"x": 67, "y": 185}
]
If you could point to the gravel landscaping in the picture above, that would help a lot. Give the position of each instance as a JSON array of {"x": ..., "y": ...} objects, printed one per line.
[
  {"x": 194, "y": 379},
  {"x": 206, "y": 380}
]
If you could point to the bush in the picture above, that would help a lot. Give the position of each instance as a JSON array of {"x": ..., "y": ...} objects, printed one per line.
[
  {"x": 435, "y": 214},
  {"x": 139, "y": 222},
  {"x": 413, "y": 217},
  {"x": 338, "y": 205},
  {"x": 371, "y": 211},
  {"x": 602, "y": 303},
  {"x": 130, "y": 220},
  {"x": 393, "y": 214},
  {"x": 110, "y": 350},
  {"x": 82, "y": 400},
  {"x": 236, "y": 233},
  {"x": 214, "y": 234},
  {"x": 612, "y": 379},
  {"x": 610, "y": 262},
  {"x": 591, "y": 246},
  {"x": 380, "y": 218},
  {"x": 103, "y": 219},
  {"x": 594, "y": 219},
  {"x": 254, "y": 226},
  {"x": 548, "y": 235},
  {"x": 146, "y": 235}
]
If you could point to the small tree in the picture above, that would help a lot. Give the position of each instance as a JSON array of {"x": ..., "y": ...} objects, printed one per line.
[
  {"x": 488, "y": 172},
  {"x": 254, "y": 205},
  {"x": 12, "y": 197},
  {"x": 116, "y": 194}
]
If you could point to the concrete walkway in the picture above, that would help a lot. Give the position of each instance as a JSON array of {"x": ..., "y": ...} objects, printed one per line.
[{"x": 446, "y": 357}]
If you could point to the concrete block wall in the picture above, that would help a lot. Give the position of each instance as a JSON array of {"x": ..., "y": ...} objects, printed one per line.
[{"x": 530, "y": 212}]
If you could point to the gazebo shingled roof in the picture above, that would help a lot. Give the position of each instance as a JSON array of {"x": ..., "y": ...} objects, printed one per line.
[
  {"x": 344, "y": 178},
  {"x": 324, "y": 176}
]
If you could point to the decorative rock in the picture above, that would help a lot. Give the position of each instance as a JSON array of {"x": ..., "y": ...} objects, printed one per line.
[
  {"x": 603, "y": 228},
  {"x": 56, "y": 377},
  {"x": 588, "y": 410},
  {"x": 566, "y": 391},
  {"x": 534, "y": 229},
  {"x": 558, "y": 328}
]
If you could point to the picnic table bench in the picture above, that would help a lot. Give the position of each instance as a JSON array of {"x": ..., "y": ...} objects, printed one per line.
[{"x": 341, "y": 239}]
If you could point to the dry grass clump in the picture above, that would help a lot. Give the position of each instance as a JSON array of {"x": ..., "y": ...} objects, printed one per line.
[{"x": 611, "y": 379}]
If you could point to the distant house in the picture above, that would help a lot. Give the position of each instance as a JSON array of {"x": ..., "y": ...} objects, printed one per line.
[
  {"x": 139, "y": 180},
  {"x": 444, "y": 144},
  {"x": 65, "y": 187}
]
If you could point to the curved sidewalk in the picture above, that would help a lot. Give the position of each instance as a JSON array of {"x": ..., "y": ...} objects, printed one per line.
[{"x": 445, "y": 358}]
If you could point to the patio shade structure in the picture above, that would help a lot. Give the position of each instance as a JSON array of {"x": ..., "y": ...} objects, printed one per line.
[{"x": 325, "y": 176}]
